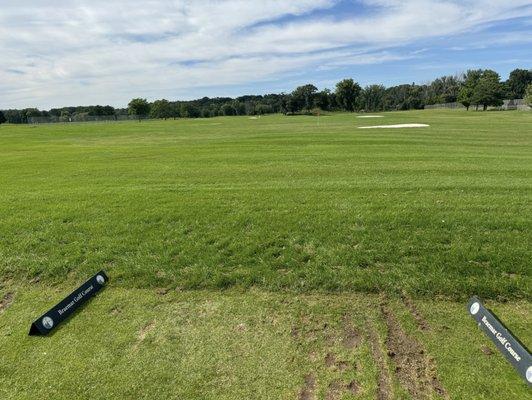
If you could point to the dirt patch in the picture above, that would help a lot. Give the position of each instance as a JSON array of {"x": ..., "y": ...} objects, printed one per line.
[
  {"x": 294, "y": 332},
  {"x": 162, "y": 291},
  {"x": 384, "y": 384},
  {"x": 486, "y": 350},
  {"x": 307, "y": 391},
  {"x": 332, "y": 362},
  {"x": 352, "y": 337},
  {"x": 353, "y": 387},
  {"x": 115, "y": 311},
  {"x": 415, "y": 371},
  {"x": 142, "y": 334},
  {"x": 334, "y": 391},
  {"x": 420, "y": 319},
  {"x": 6, "y": 301}
]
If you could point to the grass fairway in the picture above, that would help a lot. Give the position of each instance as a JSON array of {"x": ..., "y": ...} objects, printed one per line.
[{"x": 341, "y": 252}]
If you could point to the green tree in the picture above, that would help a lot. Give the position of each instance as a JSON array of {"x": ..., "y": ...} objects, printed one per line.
[
  {"x": 324, "y": 100},
  {"x": 189, "y": 110},
  {"x": 161, "y": 109},
  {"x": 517, "y": 82},
  {"x": 347, "y": 92},
  {"x": 488, "y": 91},
  {"x": 138, "y": 107},
  {"x": 528, "y": 95},
  {"x": 2, "y": 118},
  {"x": 372, "y": 98},
  {"x": 228, "y": 109},
  {"x": 302, "y": 97},
  {"x": 466, "y": 92}
]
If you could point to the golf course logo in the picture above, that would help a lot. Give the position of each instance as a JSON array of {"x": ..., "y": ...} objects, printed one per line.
[
  {"x": 100, "y": 279},
  {"x": 474, "y": 308},
  {"x": 48, "y": 322},
  {"x": 66, "y": 307},
  {"x": 513, "y": 350}
]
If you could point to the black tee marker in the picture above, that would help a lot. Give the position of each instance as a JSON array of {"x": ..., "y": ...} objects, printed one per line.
[
  {"x": 57, "y": 314},
  {"x": 513, "y": 350}
]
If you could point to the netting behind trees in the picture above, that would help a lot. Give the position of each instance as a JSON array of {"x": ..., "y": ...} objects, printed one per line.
[
  {"x": 82, "y": 118},
  {"x": 515, "y": 104}
]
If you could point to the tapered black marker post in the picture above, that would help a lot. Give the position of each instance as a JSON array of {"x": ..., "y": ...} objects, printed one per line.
[
  {"x": 57, "y": 314},
  {"x": 512, "y": 349}
]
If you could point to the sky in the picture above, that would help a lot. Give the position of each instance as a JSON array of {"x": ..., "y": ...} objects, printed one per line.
[{"x": 58, "y": 53}]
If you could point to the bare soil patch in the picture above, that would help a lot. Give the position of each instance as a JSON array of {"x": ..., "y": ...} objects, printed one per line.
[
  {"x": 384, "y": 385},
  {"x": 309, "y": 386},
  {"x": 415, "y": 371}
]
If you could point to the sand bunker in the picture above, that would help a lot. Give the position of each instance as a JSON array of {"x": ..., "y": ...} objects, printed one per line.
[
  {"x": 370, "y": 116},
  {"x": 395, "y": 126}
]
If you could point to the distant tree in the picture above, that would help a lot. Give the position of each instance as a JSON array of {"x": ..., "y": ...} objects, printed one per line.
[
  {"x": 404, "y": 97},
  {"x": 189, "y": 110},
  {"x": 528, "y": 95},
  {"x": 517, "y": 83},
  {"x": 372, "y": 98},
  {"x": 228, "y": 109},
  {"x": 445, "y": 89},
  {"x": 161, "y": 109},
  {"x": 466, "y": 92},
  {"x": 302, "y": 98},
  {"x": 324, "y": 99},
  {"x": 488, "y": 91},
  {"x": 139, "y": 107},
  {"x": 347, "y": 92},
  {"x": 262, "y": 109},
  {"x": 2, "y": 118},
  {"x": 29, "y": 113},
  {"x": 65, "y": 116}
]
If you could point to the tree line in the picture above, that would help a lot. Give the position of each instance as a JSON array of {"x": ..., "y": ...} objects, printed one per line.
[{"x": 478, "y": 88}]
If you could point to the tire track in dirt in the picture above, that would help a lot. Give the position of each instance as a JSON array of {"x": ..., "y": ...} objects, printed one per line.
[
  {"x": 415, "y": 371},
  {"x": 384, "y": 381},
  {"x": 418, "y": 317}
]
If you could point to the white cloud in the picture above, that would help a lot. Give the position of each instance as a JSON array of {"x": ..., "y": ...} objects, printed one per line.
[{"x": 58, "y": 52}]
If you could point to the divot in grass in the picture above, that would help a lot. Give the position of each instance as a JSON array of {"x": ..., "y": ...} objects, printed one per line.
[
  {"x": 307, "y": 391},
  {"x": 142, "y": 334},
  {"x": 6, "y": 301}
]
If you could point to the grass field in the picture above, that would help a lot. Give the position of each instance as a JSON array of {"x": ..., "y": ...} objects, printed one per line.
[{"x": 341, "y": 252}]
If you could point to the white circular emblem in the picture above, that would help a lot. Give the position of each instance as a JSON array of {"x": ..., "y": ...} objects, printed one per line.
[
  {"x": 529, "y": 374},
  {"x": 474, "y": 308},
  {"x": 100, "y": 279},
  {"x": 48, "y": 322}
]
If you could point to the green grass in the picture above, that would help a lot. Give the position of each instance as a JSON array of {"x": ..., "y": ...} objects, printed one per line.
[
  {"x": 264, "y": 259},
  {"x": 137, "y": 344},
  {"x": 278, "y": 203}
]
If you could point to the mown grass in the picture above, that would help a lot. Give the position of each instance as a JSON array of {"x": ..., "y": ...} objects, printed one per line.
[
  {"x": 278, "y": 202},
  {"x": 137, "y": 343}
]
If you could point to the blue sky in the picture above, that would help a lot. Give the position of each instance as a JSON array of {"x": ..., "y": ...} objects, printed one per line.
[{"x": 78, "y": 52}]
